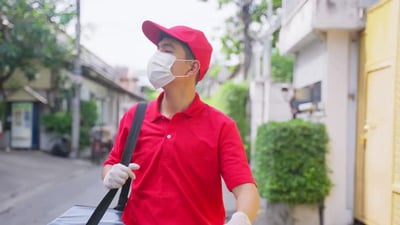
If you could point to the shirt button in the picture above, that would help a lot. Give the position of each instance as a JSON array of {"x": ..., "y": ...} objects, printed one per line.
[{"x": 169, "y": 136}]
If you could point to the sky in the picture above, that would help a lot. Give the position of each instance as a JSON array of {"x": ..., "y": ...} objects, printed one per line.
[{"x": 112, "y": 28}]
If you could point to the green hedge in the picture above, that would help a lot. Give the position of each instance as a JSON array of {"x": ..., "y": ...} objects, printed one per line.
[{"x": 290, "y": 162}]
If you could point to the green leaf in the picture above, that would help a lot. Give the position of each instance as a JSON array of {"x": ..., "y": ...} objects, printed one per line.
[
  {"x": 288, "y": 166},
  {"x": 30, "y": 38}
]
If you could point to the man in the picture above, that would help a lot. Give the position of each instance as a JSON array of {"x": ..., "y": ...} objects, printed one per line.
[{"x": 184, "y": 147}]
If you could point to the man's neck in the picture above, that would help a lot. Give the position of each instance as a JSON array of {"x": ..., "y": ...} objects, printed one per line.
[{"x": 176, "y": 100}]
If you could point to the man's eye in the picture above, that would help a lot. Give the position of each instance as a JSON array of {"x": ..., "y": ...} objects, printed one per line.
[{"x": 169, "y": 51}]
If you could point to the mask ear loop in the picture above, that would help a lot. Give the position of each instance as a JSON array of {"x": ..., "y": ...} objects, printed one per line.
[{"x": 184, "y": 60}]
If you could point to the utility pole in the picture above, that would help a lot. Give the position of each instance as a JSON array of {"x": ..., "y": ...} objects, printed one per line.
[{"x": 76, "y": 87}]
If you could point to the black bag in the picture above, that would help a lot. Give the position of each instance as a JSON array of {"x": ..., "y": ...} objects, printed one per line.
[
  {"x": 79, "y": 214},
  {"x": 89, "y": 215}
]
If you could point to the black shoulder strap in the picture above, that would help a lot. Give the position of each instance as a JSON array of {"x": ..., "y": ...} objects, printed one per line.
[
  {"x": 128, "y": 151},
  {"x": 126, "y": 157}
]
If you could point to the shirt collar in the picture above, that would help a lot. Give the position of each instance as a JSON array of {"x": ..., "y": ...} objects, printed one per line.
[{"x": 194, "y": 108}]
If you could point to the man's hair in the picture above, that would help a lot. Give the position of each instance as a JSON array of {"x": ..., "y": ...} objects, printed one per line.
[{"x": 188, "y": 52}]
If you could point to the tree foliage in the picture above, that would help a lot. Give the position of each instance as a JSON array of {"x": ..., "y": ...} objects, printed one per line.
[
  {"x": 281, "y": 67},
  {"x": 290, "y": 164},
  {"x": 237, "y": 40},
  {"x": 30, "y": 32}
]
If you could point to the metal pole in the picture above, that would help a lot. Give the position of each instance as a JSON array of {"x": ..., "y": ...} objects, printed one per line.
[{"x": 76, "y": 90}]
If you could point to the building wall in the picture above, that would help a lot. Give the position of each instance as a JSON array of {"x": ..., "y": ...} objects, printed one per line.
[
  {"x": 324, "y": 36},
  {"x": 107, "y": 101},
  {"x": 310, "y": 64},
  {"x": 380, "y": 51},
  {"x": 297, "y": 29},
  {"x": 279, "y": 108},
  {"x": 331, "y": 60},
  {"x": 330, "y": 56},
  {"x": 303, "y": 20},
  {"x": 396, "y": 151},
  {"x": 338, "y": 14},
  {"x": 335, "y": 97},
  {"x": 396, "y": 154},
  {"x": 42, "y": 81},
  {"x": 90, "y": 87}
]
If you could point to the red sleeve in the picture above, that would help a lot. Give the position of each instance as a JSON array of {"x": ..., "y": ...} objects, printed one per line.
[
  {"x": 120, "y": 139},
  {"x": 234, "y": 164}
]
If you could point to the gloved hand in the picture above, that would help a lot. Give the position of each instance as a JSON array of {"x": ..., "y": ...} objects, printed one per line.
[
  {"x": 239, "y": 218},
  {"x": 118, "y": 174}
]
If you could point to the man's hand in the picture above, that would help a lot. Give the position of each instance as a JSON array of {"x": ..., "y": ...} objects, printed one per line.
[
  {"x": 118, "y": 174},
  {"x": 239, "y": 218}
]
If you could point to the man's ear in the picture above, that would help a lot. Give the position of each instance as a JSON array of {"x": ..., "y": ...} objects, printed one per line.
[{"x": 195, "y": 66}]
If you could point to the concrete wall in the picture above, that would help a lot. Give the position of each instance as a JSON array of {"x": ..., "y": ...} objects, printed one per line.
[
  {"x": 278, "y": 103},
  {"x": 310, "y": 64},
  {"x": 297, "y": 29},
  {"x": 338, "y": 14},
  {"x": 335, "y": 96}
]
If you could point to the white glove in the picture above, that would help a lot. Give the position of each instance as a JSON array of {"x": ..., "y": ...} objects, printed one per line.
[
  {"x": 118, "y": 174},
  {"x": 239, "y": 218}
]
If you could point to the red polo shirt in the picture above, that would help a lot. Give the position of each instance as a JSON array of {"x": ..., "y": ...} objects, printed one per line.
[{"x": 181, "y": 163}]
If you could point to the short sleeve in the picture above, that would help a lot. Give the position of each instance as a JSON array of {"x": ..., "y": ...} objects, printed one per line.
[{"x": 234, "y": 164}]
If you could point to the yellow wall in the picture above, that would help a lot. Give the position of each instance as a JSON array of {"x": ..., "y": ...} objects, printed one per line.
[
  {"x": 396, "y": 154},
  {"x": 42, "y": 81},
  {"x": 380, "y": 47}
]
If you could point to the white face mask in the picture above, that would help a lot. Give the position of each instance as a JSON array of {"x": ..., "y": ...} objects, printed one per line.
[{"x": 159, "y": 69}]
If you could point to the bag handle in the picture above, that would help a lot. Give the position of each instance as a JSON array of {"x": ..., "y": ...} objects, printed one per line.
[{"x": 126, "y": 157}]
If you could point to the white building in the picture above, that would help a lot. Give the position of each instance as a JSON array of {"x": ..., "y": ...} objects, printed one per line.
[{"x": 323, "y": 36}]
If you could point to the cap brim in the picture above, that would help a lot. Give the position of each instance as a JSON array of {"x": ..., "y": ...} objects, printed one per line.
[{"x": 152, "y": 31}]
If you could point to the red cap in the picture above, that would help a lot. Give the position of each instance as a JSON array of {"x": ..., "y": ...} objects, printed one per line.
[{"x": 195, "y": 39}]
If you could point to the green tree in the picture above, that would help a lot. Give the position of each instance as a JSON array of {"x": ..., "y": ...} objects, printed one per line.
[
  {"x": 281, "y": 67},
  {"x": 237, "y": 39},
  {"x": 29, "y": 35}
]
